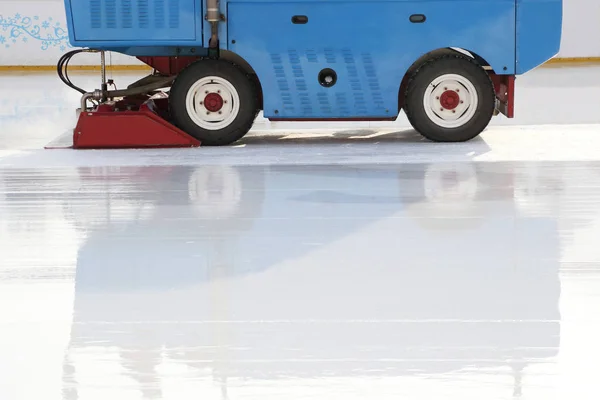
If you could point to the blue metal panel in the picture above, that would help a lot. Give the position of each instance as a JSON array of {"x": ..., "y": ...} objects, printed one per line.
[
  {"x": 109, "y": 23},
  {"x": 539, "y": 32},
  {"x": 370, "y": 44},
  {"x": 70, "y": 22}
]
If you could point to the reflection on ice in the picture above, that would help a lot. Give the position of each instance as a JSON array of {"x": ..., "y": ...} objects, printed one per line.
[{"x": 281, "y": 274}]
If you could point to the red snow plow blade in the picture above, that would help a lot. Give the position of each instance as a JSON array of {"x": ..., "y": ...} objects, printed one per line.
[{"x": 129, "y": 123}]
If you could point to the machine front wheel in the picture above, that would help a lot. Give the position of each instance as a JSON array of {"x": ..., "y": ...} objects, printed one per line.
[
  {"x": 213, "y": 101},
  {"x": 450, "y": 99}
]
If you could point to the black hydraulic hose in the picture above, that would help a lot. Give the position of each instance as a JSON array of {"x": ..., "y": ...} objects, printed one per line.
[
  {"x": 110, "y": 94},
  {"x": 59, "y": 69},
  {"x": 141, "y": 89},
  {"x": 63, "y": 63},
  {"x": 63, "y": 75}
]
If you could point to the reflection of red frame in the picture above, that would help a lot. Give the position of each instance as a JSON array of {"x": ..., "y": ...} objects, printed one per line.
[
  {"x": 504, "y": 85},
  {"x": 139, "y": 175}
]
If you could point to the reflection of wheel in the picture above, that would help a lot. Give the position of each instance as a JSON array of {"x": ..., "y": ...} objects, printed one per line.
[
  {"x": 535, "y": 194},
  {"x": 215, "y": 191},
  {"x": 450, "y": 184},
  {"x": 213, "y": 101},
  {"x": 450, "y": 99},
  {"x": 441, "y": 195},
  {"x": 215, "y": 198}
]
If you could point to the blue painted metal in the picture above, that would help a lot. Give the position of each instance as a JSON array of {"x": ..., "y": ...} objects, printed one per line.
[
  {"x": 103, "y": 24},
  {"x": 370, "y": 44},
  {"x": 538, "y": 32}
]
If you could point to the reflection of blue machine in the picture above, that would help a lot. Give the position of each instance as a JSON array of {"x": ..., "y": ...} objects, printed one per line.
[
  {"x": 299, "y": 265},
  {"x": 446, "y": 63}
]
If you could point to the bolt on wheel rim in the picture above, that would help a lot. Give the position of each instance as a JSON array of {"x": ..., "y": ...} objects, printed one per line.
[
  {"x": 213, "y": 103},
  {"x": 450, "y": 101}
]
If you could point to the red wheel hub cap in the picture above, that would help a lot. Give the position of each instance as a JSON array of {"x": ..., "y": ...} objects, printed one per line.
[
  {"x": 450, "y": 99},
  {"x": 213, "y": 102}
]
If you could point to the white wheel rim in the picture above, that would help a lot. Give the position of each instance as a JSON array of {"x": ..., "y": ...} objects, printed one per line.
[
  {"x": 450, "y": 101},
  {"x": 208, "y": 114}
]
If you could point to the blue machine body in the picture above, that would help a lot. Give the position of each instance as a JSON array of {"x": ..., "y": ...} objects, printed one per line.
[{"x": 370, "y": 44}]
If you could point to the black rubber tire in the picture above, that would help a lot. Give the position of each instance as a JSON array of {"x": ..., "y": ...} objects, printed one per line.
[
  {"x": 247, "y": 92},
  {"x": 442, "y": 64}
]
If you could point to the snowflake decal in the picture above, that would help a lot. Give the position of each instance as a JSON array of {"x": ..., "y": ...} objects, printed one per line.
[{"x": 22, "y": 29}]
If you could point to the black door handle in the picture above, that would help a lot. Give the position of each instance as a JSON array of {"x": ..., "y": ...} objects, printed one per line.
[
  {"x": 299, "y": 19},
  {"x": 417, "y": 18}
]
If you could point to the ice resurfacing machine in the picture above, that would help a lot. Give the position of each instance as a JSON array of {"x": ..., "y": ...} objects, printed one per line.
[{"x": 449, "y": 64}]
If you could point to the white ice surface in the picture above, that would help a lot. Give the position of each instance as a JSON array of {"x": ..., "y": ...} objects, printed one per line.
[{"x": 377, "y": 272}]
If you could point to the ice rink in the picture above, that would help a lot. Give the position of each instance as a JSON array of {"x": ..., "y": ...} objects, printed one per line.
[{"x": 340, "y": 262}]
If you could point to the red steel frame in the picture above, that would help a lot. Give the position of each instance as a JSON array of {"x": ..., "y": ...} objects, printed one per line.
[
  {"x": 504, "y": 85},
  {"x": 169, "y": 66},
  {"x": 135, "y": 121}
]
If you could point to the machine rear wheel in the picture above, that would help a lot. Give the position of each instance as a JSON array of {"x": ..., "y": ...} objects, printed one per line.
[
  {"x": 450, "y": 99},
  {"x": 213, "y": 101}
]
